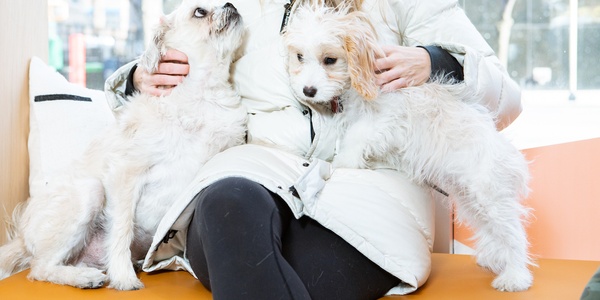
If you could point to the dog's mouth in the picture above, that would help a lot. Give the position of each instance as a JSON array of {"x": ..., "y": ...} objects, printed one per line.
[
  {"x": 226, "y": 18},
  {"x": 333, "y": 104}
]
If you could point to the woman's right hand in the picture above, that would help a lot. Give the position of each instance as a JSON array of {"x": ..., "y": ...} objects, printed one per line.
[{"x": 172, "y": 68}]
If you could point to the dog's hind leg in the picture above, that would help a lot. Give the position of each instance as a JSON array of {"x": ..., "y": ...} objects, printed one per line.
[
  {"x": 55, "y": 231},
  {"x": 500, "y": 239},
  {"x": 56, "y": 272},
  {"x": 486, "y": 177},
  {"x": 490, "y": 203}
]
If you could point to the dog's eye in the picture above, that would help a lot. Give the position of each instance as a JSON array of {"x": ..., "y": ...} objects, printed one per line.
[
  {"x": 200, "y": 12},
  {"x": 300, "y": 57},
  {"x": 329, "y": 60}
]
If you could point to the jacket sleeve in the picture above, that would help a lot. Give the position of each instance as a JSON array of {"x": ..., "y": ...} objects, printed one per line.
[
  {"x": 115, "y": 86},
  {"x": 444, "y": 64},
  {"x": 444, "y": 23}
]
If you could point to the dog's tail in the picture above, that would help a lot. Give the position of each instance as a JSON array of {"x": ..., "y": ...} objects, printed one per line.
[{"x": 14, "y": 256}]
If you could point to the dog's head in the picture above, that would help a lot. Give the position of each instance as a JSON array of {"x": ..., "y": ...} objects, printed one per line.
[
  {"x": 329, "y": 51},
  {"x": 205, "y": 30}
]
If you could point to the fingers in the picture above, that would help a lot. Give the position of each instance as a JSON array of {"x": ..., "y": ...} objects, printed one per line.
[
  {"x": 396, "y": 79},
  {"x": 388, "y": 76},
  {"x": 386, "y": 62},
  {"x": 159, "y": 84},
  {"x": 390, "y": 69},
  {"x": 174, "y": 62},
  {"x": 170, "y": 68},
  {"x": 396, "y": 85},
  {"x": 402, "y": 67},
  {"x": 162, "y": 85},
  {"x": 171, "y": 71},
  {"x": 400, "y": 77},
  {"x": 163, "y": 91},
  {"x": 174, "y": 55},
  {"x": 165, "y": 80}
]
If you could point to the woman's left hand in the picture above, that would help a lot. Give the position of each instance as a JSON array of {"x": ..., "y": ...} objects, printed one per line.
[{"x": 402, "y": 67}]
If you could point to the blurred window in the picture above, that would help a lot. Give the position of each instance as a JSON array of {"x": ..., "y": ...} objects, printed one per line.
[
  {"x": 538, "y": 52},
  {"x": 90, "y": 39}
]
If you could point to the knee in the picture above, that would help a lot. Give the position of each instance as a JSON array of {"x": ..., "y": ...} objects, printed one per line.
[{"x": 230, "y": 196}]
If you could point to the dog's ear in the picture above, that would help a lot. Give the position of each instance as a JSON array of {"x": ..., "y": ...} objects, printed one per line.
[
  {"x": 362, "y": 49},
  {"x": 156, "y": 49}
]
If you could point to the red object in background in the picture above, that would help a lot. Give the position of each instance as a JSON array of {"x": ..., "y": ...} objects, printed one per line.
[{"x": 77, "y": 59}]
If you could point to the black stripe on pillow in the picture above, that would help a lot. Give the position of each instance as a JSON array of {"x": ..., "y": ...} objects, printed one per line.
[{"x": 53, "y": 97}]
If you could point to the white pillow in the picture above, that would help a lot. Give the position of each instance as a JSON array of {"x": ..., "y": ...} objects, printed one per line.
[{"x": 64, "y": 118}]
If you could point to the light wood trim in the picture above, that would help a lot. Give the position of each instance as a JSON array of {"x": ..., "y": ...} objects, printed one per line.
[{"x": 23, "y": 34}]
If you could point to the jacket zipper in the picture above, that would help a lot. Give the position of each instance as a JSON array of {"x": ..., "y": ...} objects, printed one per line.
[
  {"x": 312, "y": 127},
  {"x": 286, "y": 15}
]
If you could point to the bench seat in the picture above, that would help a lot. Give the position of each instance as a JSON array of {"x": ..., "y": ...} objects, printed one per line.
[{"x": 452, "y": 277}]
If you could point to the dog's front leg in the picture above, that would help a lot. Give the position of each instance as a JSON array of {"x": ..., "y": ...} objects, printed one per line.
[
  {"x": 352, "y": 150},
  {"x": 123, "y": 193}
]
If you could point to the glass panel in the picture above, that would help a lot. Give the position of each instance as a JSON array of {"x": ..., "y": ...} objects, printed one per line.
[
  {"x": 538, "y": 51},
  {"x": 89, "y": 39}
]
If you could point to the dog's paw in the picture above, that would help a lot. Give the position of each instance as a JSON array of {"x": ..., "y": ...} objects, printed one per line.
[
  {"x": 79, "y": 277},
  {"x": 88, "y": 278},
  {"x": 513, "y": 280},
  {"x": 93, "y": 284},
  {"x": 129, "y": 284}
]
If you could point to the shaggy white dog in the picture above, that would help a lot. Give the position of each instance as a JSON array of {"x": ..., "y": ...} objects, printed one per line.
[
  {"x": 435, "y": 133},
  {"x": 114, "y": 197}
]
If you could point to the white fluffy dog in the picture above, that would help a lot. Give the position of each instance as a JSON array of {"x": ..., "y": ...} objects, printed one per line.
[
  {"x": 114, "y": 197},
  {"x": 433, "y": 133}
]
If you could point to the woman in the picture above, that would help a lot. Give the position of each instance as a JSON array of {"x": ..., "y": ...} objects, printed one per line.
[{"x": 269, "y": 220}]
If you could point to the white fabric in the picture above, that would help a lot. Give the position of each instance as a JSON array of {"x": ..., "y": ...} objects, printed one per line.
[
  {"x": 60, "y": 129},
  {"x": 379, "y": 212}
]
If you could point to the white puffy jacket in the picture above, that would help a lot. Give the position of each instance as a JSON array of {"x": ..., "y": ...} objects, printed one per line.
[{"x": 379, "y": 212}]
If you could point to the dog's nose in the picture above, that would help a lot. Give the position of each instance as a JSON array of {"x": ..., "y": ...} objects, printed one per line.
[
  {"x": 309, "y": 91},
  {"x": 227, "y": 5}
]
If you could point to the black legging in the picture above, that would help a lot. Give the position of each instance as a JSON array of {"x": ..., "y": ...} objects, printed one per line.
[{"x": 244, "y": 243}]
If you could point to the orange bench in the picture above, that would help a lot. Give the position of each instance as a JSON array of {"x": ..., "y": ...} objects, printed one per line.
[{"x": 452, "y": 277}]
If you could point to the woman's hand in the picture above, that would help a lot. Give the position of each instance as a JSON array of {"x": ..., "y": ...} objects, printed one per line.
[
  {"x": 402, "y": 67},
  {"x": 172, "y": 68}
]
